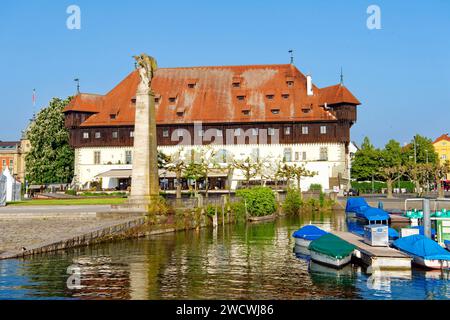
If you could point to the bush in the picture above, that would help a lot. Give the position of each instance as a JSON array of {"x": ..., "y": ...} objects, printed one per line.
[
  {"x": 211, "y": 210},
  {"x": 315, "y": 187},
  {"x": 293, "y": 202},
  {"x": 260, "y": 201},
  {"x": 366, "y": 186},
  {"x": 71, "y": 192},
  {"x": 238, "y": 210}
]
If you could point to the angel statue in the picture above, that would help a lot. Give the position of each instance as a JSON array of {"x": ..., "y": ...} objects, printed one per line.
[{"x": 147, "y": 67}]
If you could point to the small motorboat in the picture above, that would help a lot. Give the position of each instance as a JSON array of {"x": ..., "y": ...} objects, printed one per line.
[
  {"x": 359, "y": 208},
  {"x": 331, "y": 250},
  {"x": 447, "y": 244},
  {"x": 306, "y": 234},
  {"x": 424, "y": 251}
]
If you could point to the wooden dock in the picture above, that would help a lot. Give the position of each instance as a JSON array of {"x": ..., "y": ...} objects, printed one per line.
[
  {"x": 399, "y": 219},
  {"x": 376, "y": 257}
]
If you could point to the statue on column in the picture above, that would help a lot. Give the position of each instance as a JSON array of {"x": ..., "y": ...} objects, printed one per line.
[{"x": 147, "y": 66}]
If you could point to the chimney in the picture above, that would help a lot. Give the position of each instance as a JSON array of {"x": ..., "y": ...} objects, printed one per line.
[{"x": 309, "y": 87}]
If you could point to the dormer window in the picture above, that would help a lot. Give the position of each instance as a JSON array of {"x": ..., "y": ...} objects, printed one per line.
[
  {"x": 240, "y": 98},
  {"x": 290, "y": 83},
  {"x": 157, "y": 99},
  {"x": 112, "y": 116},
  {"x": 133, "y": 100},
  {"x": 180, "y": 112},
  {"x": 172, "y": 99},
  {"x": 191, "y": 83},
  {"x": 275, "y": 111},
  {"x": 270, "y": 96},
  {"x": 285, "y": 96},
  {"x": 236, "y": 82},
  {"x": 306, "y": 110},
  {"x": 246, "y": 112}
]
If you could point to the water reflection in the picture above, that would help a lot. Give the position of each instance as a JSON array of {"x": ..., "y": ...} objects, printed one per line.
[{"x": 253, "y": 261}]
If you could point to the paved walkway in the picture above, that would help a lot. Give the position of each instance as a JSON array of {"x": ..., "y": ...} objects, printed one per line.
[{"x": 24, "y": 228}]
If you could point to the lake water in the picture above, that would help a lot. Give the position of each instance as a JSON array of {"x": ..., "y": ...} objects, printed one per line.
[{"x": 253, "y": 261}]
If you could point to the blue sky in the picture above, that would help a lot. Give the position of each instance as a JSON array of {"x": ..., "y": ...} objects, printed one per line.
[{"x": 400, "y": 73}]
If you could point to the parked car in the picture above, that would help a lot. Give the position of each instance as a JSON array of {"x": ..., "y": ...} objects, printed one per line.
[{"x": 351, "y": 193}]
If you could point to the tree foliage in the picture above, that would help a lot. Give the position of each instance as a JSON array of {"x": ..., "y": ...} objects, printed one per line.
[
  {"x": 367, "y": 161},
  {"x": 51, "y": 159}
]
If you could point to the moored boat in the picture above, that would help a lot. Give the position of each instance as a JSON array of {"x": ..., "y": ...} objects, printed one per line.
[
  {"x": 306, "y": 234},
  {"x": 262, "y": 218},
  {"x": 447, "y": 244},
  {"x": 331, "y": 250},
  {"x": 362, "y": 210},
  {"x": 424, "y": 251}
]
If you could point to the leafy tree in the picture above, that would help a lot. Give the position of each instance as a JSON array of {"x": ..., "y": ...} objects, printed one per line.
[
  {"x": 367, "y": 161},
  {"x": 163, "y": 160},
  {"x": 249, "y": 168},
  {"x": 177, "y": 164},
  {"x": 51, "y": 159},
  {"x": 390, "y": 175},
  {"x": 296, "y": 172},
  {"x": 440, "y": 172},
  {"x": 391, "y": 155},
  {"x": 425, "y": 152}
]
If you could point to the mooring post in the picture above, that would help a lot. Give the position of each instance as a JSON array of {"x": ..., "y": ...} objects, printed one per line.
[{"x": 426, "y": 218}]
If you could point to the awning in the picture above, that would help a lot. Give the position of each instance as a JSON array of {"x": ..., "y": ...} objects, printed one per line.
[{"x": 126, "y": 173}]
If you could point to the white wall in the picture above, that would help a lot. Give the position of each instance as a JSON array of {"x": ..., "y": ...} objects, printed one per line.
[{"x": 86, "y": 170}]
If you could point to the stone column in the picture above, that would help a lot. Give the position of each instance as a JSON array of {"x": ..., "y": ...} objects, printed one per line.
[{"x": 145, "y": 178}]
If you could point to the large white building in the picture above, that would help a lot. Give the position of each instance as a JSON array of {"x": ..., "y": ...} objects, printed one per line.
[{"x": 266, "y": 112}]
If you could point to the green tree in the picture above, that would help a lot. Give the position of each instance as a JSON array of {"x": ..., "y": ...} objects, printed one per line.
[
  {"x": 51, "y": 159},
  {"x": 367, "y": 162},
  {"x": 424, "y": 151}
]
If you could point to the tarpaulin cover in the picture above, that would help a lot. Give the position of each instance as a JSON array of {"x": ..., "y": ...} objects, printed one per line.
[
  {"x": 393, "y": 234},
  {"x": 373, "y": 214},
  {"x": 332, "y": 246},
  {"x": 422, "y": 230},
  {"x": 423, "y": 247},
  {"x": 309, "y": 232},
  {"x": 356, "y": 205}
]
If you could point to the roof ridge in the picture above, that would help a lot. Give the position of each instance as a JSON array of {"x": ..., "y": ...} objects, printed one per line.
[{"x": 230, "y": 66}]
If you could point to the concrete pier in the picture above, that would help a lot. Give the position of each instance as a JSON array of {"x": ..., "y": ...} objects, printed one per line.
[{"x": 376, "y": 257}]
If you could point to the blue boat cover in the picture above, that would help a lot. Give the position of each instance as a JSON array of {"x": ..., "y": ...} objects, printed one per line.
[
  {"x": 446, "y": 242},
  {"x": 373, "y": 214},
  {"x": 356, "y": 205},
  {"x": 393, "y": 234},
  {"x": 422, "y": 230},
  {"x": 423, "y": 247},
  {"x": 309, "y": 232}
]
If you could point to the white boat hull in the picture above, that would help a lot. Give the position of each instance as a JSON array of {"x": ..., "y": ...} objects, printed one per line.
[
  {"x": 302, "y": 242},
  {"x": 330, "y": 261},
  {"x": 431, "y": 264}
]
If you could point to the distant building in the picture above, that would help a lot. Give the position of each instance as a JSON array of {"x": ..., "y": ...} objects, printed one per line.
[
  {"x": 12, "y": 157},
  {"x": 442, "y": 147},
  {"x": 265, "y": 111}
]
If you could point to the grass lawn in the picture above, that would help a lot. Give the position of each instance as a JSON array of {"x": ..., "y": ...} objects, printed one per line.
[{"x": 68, "y": 202}]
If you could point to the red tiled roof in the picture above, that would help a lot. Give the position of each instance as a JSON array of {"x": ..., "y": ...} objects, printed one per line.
[
  {"x": 441, "y": 138},
  {"x": 337, "y": 94},
  {"x": 214, "y": 99}
]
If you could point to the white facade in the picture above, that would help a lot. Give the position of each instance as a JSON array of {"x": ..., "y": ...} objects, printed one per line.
[{"x": 329, "y": 160}]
